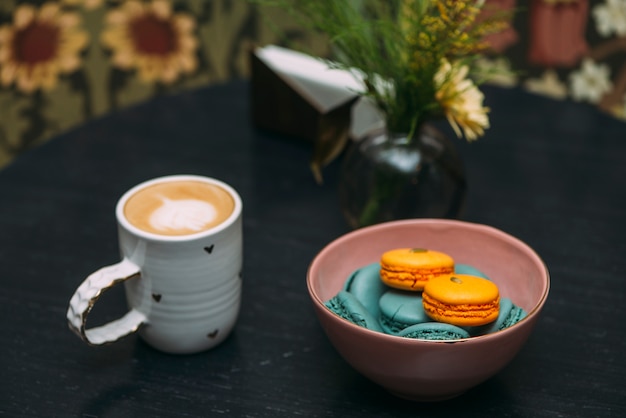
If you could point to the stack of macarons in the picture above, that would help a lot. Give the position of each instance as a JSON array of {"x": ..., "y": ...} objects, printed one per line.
[{"x": 422, "y": 293}]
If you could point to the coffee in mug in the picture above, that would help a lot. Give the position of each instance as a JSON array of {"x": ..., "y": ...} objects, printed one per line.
[
  {"x": 178, "y": 207},
  {"x": 180, "y": 238}
]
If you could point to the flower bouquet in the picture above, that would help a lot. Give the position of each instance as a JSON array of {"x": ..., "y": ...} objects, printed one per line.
[{"x": 415, "y": 60}]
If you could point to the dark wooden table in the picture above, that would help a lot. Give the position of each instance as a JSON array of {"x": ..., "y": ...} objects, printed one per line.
[{"x": 551, "y": 173}]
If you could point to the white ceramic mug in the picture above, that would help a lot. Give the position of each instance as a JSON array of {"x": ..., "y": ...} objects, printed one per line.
[{"x": 182, "y": 279}]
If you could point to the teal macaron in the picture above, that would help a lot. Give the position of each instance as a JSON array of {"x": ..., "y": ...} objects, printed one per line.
[
  {"x": 347, "y": 306},
  {"x": 434, "y": 331},
  {"x": 516, "y": 315},
  {"x": 365, "y": 284},
  {"x": 400, "y": 309},
  {"x": 505, "y": 308},
  {"x": 509, "y": 314}
]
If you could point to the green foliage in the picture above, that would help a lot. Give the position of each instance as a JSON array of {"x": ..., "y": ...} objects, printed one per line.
[{"x": 397, "y": 46}]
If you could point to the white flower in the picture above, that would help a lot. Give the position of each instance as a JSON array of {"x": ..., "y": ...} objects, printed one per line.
[
  {"x": 591, "y": 82},
  {"x": 611, "y": 17},
  {"x": 548, "y": 85},
  {"x": 497, "y": 70}
]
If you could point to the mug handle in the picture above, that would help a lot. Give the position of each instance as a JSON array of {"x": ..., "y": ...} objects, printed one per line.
[{"x": 88, "y": 293}]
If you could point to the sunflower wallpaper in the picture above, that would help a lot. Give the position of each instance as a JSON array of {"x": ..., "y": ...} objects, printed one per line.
[{"x": 63, "y": 62}]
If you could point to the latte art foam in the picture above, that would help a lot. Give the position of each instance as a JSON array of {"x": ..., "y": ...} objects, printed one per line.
[
  {"x": 178, "y": 207},
  {"x": 179, "y": 215}
]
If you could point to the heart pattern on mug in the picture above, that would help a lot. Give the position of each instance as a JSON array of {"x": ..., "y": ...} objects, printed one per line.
[
  {"x": 213, "y": 334},
  {"x": 156, "y": 297},
  {"x": 209, "y": 249}
]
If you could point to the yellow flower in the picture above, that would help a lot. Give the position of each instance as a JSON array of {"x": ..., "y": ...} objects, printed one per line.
[
  {"x": 461, "y": 100},
  {"x": 151, "y": 38},
  {"x": 40, "y": 44}
]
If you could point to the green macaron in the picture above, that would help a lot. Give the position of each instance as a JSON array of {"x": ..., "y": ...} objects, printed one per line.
[
  {"x": 505, "y": 308},
  {"x": 434, "y": 331},
  {"x": 509, "y": 314},
  {"x": 347, "y": 306},
  {"x": 365, "y": 284},
  {"x": 400, "y": 309},
  {"x": 516, "y": 315}
]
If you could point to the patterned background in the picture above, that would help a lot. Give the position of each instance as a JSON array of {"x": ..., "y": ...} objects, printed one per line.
[{"x": 66, "y": 61}]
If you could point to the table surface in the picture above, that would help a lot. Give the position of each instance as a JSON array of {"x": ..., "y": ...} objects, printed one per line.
[{"x": 551, "y": 173}]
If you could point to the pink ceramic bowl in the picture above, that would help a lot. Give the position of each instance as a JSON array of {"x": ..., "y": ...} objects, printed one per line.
[{"x": 420, "y": 369}]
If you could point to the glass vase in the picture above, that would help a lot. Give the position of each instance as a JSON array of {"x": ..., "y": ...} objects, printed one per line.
[{"x": 387, "y": 176}]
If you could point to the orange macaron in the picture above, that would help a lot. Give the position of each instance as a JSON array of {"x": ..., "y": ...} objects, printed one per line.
[
  {"x": 411, "y": 268},
  {"x": 461, "y": 299}
]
